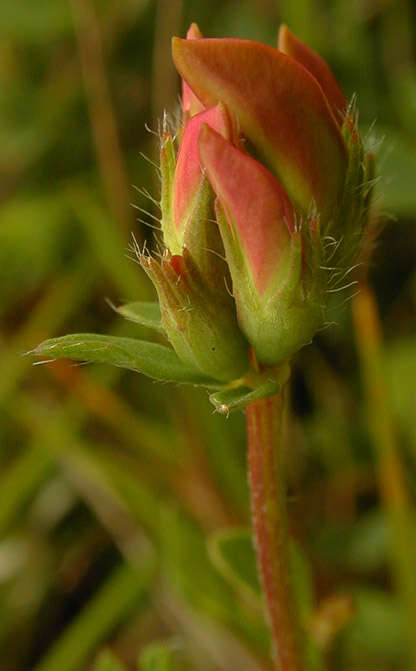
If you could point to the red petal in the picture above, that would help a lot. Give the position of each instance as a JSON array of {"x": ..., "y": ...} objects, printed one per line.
[
  {"x": 292, "y": 46},
  {"x": 256, "y": 206},
  {"x": 281, "y": 109}
]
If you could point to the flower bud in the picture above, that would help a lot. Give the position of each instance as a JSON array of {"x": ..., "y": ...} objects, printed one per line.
[
  {"x": 270, "y": 192},
  {"x": 290, "y": 216},
  {"x": 281, "y": 109},
  {"x": 278, "y": 299}
]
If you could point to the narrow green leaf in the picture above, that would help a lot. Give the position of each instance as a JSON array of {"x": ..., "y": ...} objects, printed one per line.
[
  {"x": 107, "y": 661},
  {"x": 151, "y": 359},
  {"x": 20, "y": 481},
  {"x": 303, "y": 590},
  {"x": 227, "y": 400},
  {"x": 369, "y": 541},
  {"x": 108, "y": 244},
  {"x": 144, "y": 313},
  {"x": 397, "y": 169},
  {"x": 67, "y": 293},
  {"x": 157, "y": 656},
  {"x": 119, "y": 596},
  {"x": 378, "y": 629},
  {"x": 232, "y": 553}
]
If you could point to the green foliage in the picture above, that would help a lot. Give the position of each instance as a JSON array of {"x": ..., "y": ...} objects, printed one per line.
[
  {"x": 376, "y": 630},
  {"x": 122, "y": 591},
  {"x": 156, "y": 361},
  {"x": 106, "y": 661},
  {"x": 233, "y": 554},
  {"x": 146, "y": 314},
  {"x": 157, "y": 657}
]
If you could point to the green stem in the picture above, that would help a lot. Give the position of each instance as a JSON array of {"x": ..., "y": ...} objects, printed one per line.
[{"x": 268, "y": 503}]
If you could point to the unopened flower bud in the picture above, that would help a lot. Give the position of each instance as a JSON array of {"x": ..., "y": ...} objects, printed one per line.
[{"x": 278, "y": 300}]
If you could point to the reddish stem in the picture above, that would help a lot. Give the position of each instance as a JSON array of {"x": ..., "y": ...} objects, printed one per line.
[{"x": 268, "y": 504}]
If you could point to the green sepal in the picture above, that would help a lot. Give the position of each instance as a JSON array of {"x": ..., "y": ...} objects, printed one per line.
[
  {"x": 202, "y": 240},
  {"x": 352, "y": 220},
  {"x": 144, "y": 313},
  {"x": 167, "y": 172},
  {"x": 151, "y": 359},
  {"x": 201, "y": 326}
]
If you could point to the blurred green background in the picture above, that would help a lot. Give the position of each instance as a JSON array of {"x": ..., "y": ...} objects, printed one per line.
[{"x": 124, "y": 503}]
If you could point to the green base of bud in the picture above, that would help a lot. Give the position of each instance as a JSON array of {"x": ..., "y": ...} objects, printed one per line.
[{"x": 278, "y": 336}]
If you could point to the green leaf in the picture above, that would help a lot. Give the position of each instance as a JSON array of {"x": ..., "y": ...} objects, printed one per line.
[
  {"x": 157, "y": 656},
  {"x": 368, "y": 546},
  {"x": 227, "y": 400},
  {"x": 397, "y": 169},
  {"x": 20, "y": 481},
  {"x": 106, "y": 661},
  {"x": 144, "y": 313},
  {"x": 120, "y": 595},
  {"x": 232, "y": 553},
  {"x": 35, "y": 25},
  {"x": 400, "y": 368},
  {"x": 377, "y": 629},
  {"x": 151, "y": 359},
  {"x": 302, "y": 580}
]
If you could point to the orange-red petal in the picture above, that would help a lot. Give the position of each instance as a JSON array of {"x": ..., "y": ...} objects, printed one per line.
[
  {"x": 291, "y": 45},
  {"x": 190, "y": 103},
  {"x": 281, "y": 109}
]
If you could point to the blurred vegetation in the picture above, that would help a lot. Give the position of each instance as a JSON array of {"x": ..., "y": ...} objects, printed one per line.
[{"x": 124, "y": 503}]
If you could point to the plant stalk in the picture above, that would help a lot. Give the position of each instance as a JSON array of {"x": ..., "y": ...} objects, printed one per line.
[{"x": 269, "y": 518}]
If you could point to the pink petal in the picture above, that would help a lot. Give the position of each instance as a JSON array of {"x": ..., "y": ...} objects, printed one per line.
[{"x": 188, "y": 167}]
